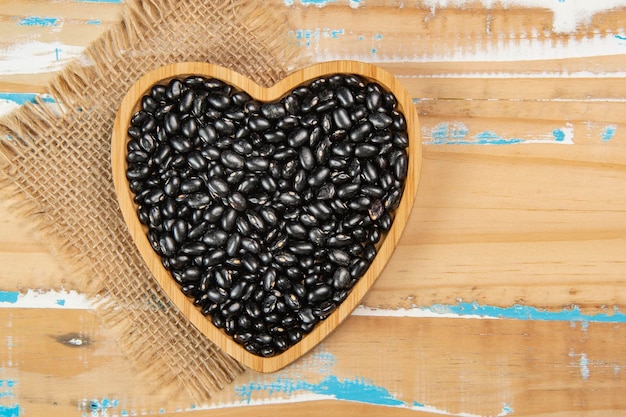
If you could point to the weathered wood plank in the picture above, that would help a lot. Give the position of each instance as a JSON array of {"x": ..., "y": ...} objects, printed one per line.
[{"x": 62, "y": 360}]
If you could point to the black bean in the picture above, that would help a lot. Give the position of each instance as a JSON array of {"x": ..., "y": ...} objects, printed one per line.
[
  {"x": 208, "y": 134},
  {"x": 339, "y": 257},
  {"x": 296, "y": 231},
  {"x": 309, "y": 103},
  {"x": 345, "y": 97},
  {"x": 189, "y": 185},
  {"x": 179, "y": 230},
  {"x": 149, "y": 104},
  {"x": 138, "y": 172},
  {"x": 373, "y": 100},
  {"x": 399, "y": 122},
  {"x": 232, "y": 159},
  {"x": 229, "y": 219},
  {"x": 358, "y": 269},
  {"x": 257, "y": 164},
  {"x": 292, "y": 104},
  {"x": 289, "y": 198},
  {"x": 341, "y": 117},
  {"x": 341, "y": 278},
  {"x": 232, "y": 244},
  {"x": 259, "y": 124},
  {"x": 400, "y": 168},
  {"x": 365, "y": 150},
  {"x": 298, "y": 138},
  {"x": 237, "y": 201},
  {"x": 273, "y": 111},
  {"x": 319, "y": 177},
  {"x": 269, "y": 303},
  {"x": 380, "y": 120},
  {"x": 219, "y": 101},
  {"x": 198, "y": 200},
  {"x": 306, "y": 315},
  {"x": 360, "y": 132},
  {"x": 307, "y": 160},
  {"x": 287, "y": 123}
]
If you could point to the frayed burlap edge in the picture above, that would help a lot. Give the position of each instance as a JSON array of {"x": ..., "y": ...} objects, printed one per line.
[{"x": 21, "y": 131}]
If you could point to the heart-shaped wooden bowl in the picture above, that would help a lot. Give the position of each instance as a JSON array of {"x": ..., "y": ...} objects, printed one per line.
[{"x": 120, "y": 138}]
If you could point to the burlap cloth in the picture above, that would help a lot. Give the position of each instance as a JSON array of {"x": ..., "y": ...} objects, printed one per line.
[{"x": 55, "y": 169}]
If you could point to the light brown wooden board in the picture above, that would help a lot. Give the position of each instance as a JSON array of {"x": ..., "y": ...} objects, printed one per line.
[{"x": 543, "y": 225}]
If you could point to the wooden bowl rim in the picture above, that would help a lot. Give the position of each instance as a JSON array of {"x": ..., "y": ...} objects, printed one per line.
[{"x": 119, "y": 140}]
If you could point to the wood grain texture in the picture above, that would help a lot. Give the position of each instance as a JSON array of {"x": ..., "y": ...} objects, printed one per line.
[
  {"x": 506, "y": 217},
  {"x": 132, "y": 103}
]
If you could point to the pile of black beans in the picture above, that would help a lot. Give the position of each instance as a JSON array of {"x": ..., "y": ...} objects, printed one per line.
[{"x": 267, "y": 214}]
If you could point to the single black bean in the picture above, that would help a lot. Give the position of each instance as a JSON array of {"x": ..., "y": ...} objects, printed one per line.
[
  {"x": 238, "y": 290},
  {"x": 229, "y": 219},
  {"x": 341, "y": 117},
  {"x": 269, "y": 303},
  {"x": 307, "y": 160},
  {"x": 309, "y": 103},
  {"x": 302, "y": 248},
  {"x": 292, "y": 104},
  {"x": 189, "y": 185},
  {"x": 360, "y": 132},
  {"x": 339, "y": 257},
  {"x": 217, "y": 295},
  {"x": 232, "y": 244},
  {"x": 399, "y": 122},
  {"x": 198, "y": 230},
  {"x": 168, "y": 208},
  {"x": 289, "y": 198},
  {"x": 179, "y": 230},
  {"x": 298, "y": 138},
  {"x": 275, "y": 136},
  {"x": 326, "y": 105},
  {"x": 296, "y": 231},
  {"x": 225, "y": 126},
  {"x": 259, "y": 124},
  {"x": 370, "y": 173},
  {"x": 358, "y": 269},
  {"x": 237, "y": 201},
  {"x": 285, "y": 259},
  {"x": 365, "y": 150},
  {"x": 193, "y": 248},
  {"x": 341, "y": 278},
  {"x": 208, "y": 134},
  {"x": 197, "y": 161},
  {"x": 257, "y": 164},
  {"x": 218, "y": 187},
  {"x": 149, "y": 104},
  {"x": 198, "y": 200},
  {"x": 218, "y": 101},
  {"x": 292, "y": 302},
  {"x": 273, "y": 111},
  {"x": 287, "y": 123},
  {"x": 138, "y": 172},
  {"x": 319, "y": 177},
  {"x": 250, "y": 262},
  {"x": 306, "y": 315},
  {"x": 345, "y": 97},
  {"x": 400, "y": 168},
  {"x": 373, "y": 100},
  {"x": 380, "y": 120},
  {"x": 232, "y": 159}
]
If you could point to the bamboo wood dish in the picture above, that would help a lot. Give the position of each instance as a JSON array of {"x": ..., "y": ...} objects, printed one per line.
[{"x": 131, "y": 104}]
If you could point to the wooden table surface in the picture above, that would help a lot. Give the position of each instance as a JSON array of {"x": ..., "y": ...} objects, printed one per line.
[{"x": 506, "y": 294}]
